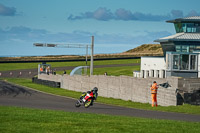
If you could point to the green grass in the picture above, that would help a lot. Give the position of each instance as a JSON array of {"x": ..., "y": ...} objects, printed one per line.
[
  {"x": 188, "y": 109},
  {"x": 117, "y": 71},
  {"x": 17, "y": 66},
  {"x": 114, "y": 71},
  {"x": 23, "y": 120}
]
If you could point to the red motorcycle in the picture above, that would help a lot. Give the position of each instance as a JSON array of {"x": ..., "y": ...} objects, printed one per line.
[{"x": 86, "y": 99}]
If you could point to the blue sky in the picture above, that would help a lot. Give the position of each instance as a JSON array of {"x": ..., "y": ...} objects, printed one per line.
[{"x": 117, "y": 25}]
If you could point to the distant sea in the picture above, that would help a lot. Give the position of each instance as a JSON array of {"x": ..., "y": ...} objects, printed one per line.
[{"x": 98, "y": 49}]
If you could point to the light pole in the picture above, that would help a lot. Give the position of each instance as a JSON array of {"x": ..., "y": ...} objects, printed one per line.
[
  {"x": 73, "y": 46},
  {"x": 92, "y": 53}
]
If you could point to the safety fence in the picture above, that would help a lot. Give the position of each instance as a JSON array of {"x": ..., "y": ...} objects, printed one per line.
[{"x": 18, "y": 73}]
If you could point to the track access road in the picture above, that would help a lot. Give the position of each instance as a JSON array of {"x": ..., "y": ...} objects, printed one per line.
[{"x": 14, "y": 95}]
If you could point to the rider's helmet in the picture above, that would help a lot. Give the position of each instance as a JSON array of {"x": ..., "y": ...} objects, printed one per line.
[{"x": 95, "y": 89}]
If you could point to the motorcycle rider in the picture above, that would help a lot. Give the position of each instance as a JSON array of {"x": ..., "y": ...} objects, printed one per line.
[{"x": 93, "y": 92}]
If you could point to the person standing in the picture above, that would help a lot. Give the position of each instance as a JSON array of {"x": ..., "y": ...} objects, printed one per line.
[
  {"x": 64, "y": 72},
  {"x": 48, "y": 70},
  {"x": 105, "y": 74},
  {"x": 41, "y": 69},
  {"x": 154, "y": 89}
]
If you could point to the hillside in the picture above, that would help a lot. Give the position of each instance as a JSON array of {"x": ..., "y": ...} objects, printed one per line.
[
  {"x": 146, "y": 48},
  {"x": 143, "y": 50}
]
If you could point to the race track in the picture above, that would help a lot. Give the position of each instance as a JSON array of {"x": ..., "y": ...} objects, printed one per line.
[{"x": 14, "y": 95}]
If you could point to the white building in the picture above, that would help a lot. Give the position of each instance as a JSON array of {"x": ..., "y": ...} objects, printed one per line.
[
  {"x": 153, "y": 67},
  {"x": 181, "y": 52}
]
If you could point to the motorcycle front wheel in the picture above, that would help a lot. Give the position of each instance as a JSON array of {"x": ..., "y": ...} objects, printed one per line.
[
  {"x": 78, "y": 104},
  {"x": 88, "y": 103}
]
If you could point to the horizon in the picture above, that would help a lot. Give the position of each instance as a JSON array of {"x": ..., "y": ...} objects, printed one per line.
[{"x": 117, "y": 26}]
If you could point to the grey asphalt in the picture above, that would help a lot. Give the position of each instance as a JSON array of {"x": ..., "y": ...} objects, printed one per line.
[{"x": 14, "y": 95}]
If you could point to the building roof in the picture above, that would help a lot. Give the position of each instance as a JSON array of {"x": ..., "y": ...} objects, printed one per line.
[
  {"x": 180, "y": 37},
  {"x": 186, "y": 19}
]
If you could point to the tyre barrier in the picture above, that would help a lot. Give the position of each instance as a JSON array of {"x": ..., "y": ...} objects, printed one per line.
[
  {"x": 192, "y": 98},
  {"x": 46, "y": 82}
]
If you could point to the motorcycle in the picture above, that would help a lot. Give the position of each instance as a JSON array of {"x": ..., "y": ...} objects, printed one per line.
[{"x": 86, "y": 99}]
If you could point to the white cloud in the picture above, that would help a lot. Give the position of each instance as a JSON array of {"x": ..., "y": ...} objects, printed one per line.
[
  {"x": 104, "y": 14},
  {"x": 19, "y": 41},
  {"x": 34, "y": 35}
]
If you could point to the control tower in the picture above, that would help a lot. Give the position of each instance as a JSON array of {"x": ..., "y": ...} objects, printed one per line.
[{"x": 181, "y": 52}]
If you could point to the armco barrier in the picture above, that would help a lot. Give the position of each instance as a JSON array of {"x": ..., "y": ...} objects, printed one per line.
[{"x": 120, "y": 87}]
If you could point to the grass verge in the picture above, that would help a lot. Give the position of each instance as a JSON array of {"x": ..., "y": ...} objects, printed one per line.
[
  {"x": 117, "y": 71},
  {"x": 19, "y": 120},
  {"x": 188, "y": 109},
  {"x": 114, "y": 71}
]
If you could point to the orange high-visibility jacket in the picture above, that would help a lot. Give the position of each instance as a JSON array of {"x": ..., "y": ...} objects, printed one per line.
[{"x": 154, "y": 88}]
